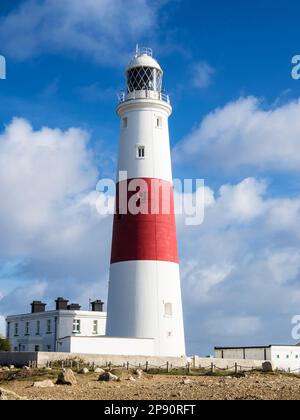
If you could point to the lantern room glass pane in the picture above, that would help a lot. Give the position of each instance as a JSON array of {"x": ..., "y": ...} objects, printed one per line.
[{"x": 144, "y": 78}]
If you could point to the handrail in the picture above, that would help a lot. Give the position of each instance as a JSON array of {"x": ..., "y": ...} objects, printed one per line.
[{"x": 143, "y": 94}]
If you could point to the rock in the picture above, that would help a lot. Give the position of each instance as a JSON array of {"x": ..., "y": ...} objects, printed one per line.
[
  {"x": 25, "y": 368},
  {"x": 5, "y": 369},
  {"x": 66, "y": 377},
  {"x": 139, "y": 373},
  {"x": 267, "y": 367},
  {"x": 186, "y": 381},
  {"x": 99, "y": 370},
  {"x": 131, "y": 378},
  {"x": 43, "y": 384},
  {"x": 108, "y": 377},
  {"x": 9, "y": 395},
  {"x": 11, "y": 367},
  {"x": 84, "y": 371}
]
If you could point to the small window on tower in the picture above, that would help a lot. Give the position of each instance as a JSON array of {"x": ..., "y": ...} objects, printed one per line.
[
  {"x": 125, "y": 122},
  {"x": 168, "y": 309},
  {"x": 158, "y": 122},
  {"x": 141, "y": 152}
]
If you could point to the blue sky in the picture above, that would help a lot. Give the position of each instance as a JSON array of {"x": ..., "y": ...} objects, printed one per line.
[{"x": 235, "y": 124}]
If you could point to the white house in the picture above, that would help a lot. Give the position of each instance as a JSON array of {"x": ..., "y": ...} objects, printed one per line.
[
  {"x": 67, "y": 329},
  {"x": 43, "y": 330},
  {"x": 283, "y": 357}
]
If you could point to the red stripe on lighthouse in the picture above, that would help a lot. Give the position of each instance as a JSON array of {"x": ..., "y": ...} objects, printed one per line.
[{"x": 151, "y": 234}]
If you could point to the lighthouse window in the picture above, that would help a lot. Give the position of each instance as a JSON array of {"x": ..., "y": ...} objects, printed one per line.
[
  {"x": 125, "y": 122},
  {"x": 168, "y": 309},
  {"x": 158, "y": 122},
  {"x": 141, "y": 152}
]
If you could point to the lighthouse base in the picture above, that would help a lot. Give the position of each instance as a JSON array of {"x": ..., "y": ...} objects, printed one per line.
[{"x": 145, "y": 303}]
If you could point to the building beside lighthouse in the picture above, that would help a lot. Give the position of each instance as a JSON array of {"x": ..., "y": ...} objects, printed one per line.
[{"x": 144, "y": 316}]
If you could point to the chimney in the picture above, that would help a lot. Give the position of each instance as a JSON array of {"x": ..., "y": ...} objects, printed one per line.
[
  {"x": 37, "y": 307},
  {"x": 97, "y": 306},
  {"x": 74, "y": 307},
  {"x": 61, "y": 304}
]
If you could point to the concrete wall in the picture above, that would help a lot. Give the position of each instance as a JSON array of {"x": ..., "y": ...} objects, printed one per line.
[
  {"x": 198, "y": 362},
  {"x": 17, "y": 359},
  {"x": 44, "y": 358},
  {"x": 244, "y": 353}
]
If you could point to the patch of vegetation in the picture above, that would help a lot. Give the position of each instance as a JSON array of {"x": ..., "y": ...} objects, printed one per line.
[
  {"x": 4, "y": 345},
  {"x": 27, "y": 375}
]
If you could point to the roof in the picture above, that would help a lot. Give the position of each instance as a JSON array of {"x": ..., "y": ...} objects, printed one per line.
[{"x": 143, "y": 60}]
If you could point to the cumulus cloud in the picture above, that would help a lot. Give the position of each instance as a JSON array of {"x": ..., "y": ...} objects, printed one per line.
[
  {"x": 240, "y": 269},
  {"x": 101, "y": 29},
  {"x": 243, "y": 134},
  {"x": 53, "y": 241}
]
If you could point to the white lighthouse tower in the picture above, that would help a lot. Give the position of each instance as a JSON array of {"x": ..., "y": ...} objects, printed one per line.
[{"x": 144, "y": 290}]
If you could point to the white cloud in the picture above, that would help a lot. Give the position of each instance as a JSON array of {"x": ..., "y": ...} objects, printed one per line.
[
  {"x": 52, "y": 238},
  {"x": 101, "y": 29},
  {"x": 241, "y": 266},
  {"x": 243, "y": 134},
  {"x": 203, "y": 75},
  {"x": 240, "y": 269}
]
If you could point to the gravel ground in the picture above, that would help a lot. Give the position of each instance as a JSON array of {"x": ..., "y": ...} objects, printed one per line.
[{"x": 255, "y": 386}]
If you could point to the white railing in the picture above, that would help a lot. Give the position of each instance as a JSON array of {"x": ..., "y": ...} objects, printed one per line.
[
  {"x": 144, "y": 50},
  {"x": 143, "y": 94}
]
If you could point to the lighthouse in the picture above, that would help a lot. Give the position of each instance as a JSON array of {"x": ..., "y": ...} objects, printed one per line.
[{"x": 144, "y": 299}]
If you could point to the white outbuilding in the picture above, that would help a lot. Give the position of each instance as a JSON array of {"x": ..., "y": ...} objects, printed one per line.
[{"x": 282, "y": 357}]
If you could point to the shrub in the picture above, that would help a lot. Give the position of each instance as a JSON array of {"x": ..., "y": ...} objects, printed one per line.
[{"x": 4, "y": 344}]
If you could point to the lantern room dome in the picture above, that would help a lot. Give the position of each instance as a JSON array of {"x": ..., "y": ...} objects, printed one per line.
[{"x": 143, "y": 58}]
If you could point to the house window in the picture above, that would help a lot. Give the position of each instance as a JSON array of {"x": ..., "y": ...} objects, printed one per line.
[
  {"x": 287, "y": 356},
  {"x": 125, "y": 122},
  {"x": 37, "y": 349},
  {"x": 49, "y": 326},
  {"x": 168, "y": 309},
  {"x": 170, "y": 334},
  {"x": 8, "y": 329},
  {"x": 278, "y": 357},
  {"x": 95, "y": 327},
  {"x": 16, "y": 330},
  {"x": 38, "y": 327},
  {"x": 141, "y": 152},
  {"x": 27, "y": 328},
  {"x": 76, "y": 326},
  {"x": 297, "y": 357},
  {"x": 49, "y": 348},
  {"x": 158, "y": 122}
]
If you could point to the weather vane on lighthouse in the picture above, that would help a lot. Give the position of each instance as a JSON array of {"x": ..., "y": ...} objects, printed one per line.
[{"x": 144, "y": 289}]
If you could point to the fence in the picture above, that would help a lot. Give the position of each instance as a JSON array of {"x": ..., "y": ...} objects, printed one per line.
[{"x": 167, "y": 367}]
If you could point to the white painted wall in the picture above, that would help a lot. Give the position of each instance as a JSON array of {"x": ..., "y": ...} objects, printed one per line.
[
  {"x": 47, "y": 341},
  {"x": 142, "y": 130},
  {"x": 286, "y": 358},
  {"x": 138, "y": 291},
  {"x": 107, "y": 345}
]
